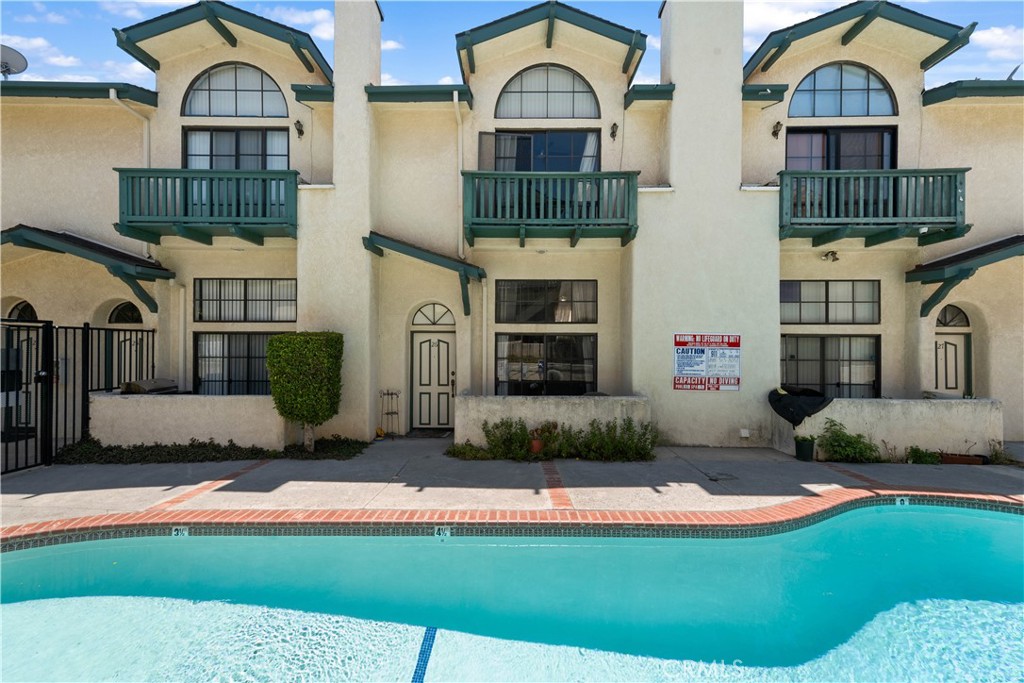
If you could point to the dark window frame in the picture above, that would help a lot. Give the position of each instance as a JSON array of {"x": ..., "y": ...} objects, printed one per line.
[
  {"x": 23, "y": 311},
  {"x": 822, "y": 360},
  {"x": 539, "y": 387},
  {"x": 237, "y": 130},
  {"x": 547, "y": 65},
  {"x": 125, "y": 308},
  {"x": 814, "y": 89},
  {"x": 832, "y": 148},
  {"x": 197, "y": 300},
  {"x": 192, "y": 86},
  {"x": 263, "y": 385},
  {"x": 533, "y": 154},
  {"x": 547, "y": 305},
  {"x": 829, "y": 300}
]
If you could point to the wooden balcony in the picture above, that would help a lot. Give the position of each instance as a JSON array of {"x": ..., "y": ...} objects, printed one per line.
[
  {"x": 878, "y": 206},
  {"x": 202, "y": 204},
  {"x": 569, "y": 206}
]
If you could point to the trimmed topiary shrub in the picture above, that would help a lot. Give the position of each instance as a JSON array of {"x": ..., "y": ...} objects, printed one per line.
[{"x": 305, "y": 377}]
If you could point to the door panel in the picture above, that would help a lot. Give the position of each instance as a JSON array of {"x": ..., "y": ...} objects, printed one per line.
[
  {"x": 950, "y": 364},
  {"x": 433, "y": 376}
]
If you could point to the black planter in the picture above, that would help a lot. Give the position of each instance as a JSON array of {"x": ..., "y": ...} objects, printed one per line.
[{"x": 805, "y": 450}]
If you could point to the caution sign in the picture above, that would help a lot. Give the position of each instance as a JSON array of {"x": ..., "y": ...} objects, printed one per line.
[{"x": 706, "y": 362}]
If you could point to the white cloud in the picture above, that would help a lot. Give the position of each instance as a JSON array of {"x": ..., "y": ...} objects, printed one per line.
[
  {"x": 66, "y": 78},
  {"x": 112, "y": 70},
  {"x": 26, "y": 19},
  {"x": 643, "y": 78},
  {"x": 761, "y": 17},
  {"x": 388, "y": 79},
  {"x": 40, "y": 48},
  {"x": 1001, "y": 42},
  {"x": 320, "y": 22},
  {"x": 653, "y": 42},
  {"x": 133, "y": 10},
  {"x": 391, "y": 45},
  {"x": 446, "y": 80}
]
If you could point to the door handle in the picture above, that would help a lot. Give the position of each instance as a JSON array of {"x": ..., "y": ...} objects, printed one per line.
[{"x": 453, "y": 385}]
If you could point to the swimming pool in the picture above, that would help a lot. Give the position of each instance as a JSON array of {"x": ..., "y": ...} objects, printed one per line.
[{"x": 895, "y": 593}]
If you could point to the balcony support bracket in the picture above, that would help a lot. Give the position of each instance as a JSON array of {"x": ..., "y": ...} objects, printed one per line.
[
  {"x": 889, "y": 235},
  {"x": 136, "y": 233},
  {"x": 247, "y": 235},
  {"x": 942, "y": 236},
  {"x": 831, "y": 236},
  {"x": 191, "y": 234},
  {"x": 522, "y": 236},
  {"x": 577, "y": 235},
  {"x": 629, "y": 236}
]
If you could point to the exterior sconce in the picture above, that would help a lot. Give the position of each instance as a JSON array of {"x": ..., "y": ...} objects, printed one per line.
[
  {"x": 614, "y": 131},
  {"x": 776, "y": 129},
  {"x": 830, "y": 256},
  {"x": 299, "y": 128}
]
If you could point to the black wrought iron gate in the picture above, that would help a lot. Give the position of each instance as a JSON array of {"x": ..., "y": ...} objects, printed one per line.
[{"x": 46, "y": 375}]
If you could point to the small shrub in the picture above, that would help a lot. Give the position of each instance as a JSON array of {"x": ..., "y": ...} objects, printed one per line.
[
  {"x": 920, "y": 456},
  {"x": 468, "y": 451},
  {"x": 636, "y": 441},
  {"x": 508, "y": 439},
  {"x": 305, "y": 377},
  {"x": 841, "y": 446},
  {"x": 92, "y": 452},
  {"x": 804, "y": 439}
]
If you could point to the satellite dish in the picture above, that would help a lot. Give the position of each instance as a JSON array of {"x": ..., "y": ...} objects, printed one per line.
[{"x": 11, "y": 61}]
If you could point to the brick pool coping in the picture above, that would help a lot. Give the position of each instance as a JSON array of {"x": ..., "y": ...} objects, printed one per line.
[{"x": 764, "y": 521}]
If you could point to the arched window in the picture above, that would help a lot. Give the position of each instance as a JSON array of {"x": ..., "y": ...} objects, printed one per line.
[
  {"x": 433, "y": 314},
  {"x": 24, "y": 312},
  {"x": 842, "y": 90},
  {"x": 125, "y": 313},
  {"x": 234, "y": 90},
  {"x": 547, "y": 92},
  {"x": 952, "y": 316}
]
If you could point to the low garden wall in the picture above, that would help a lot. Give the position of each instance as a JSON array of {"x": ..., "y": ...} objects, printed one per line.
[
  {"x": 573, "y": 411},
  {"x": 944, "y": 425},
  {"x": 123, "y": 420}
]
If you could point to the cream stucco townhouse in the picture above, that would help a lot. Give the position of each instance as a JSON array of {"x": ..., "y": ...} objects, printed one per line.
[{"x": 546, "y": 228}]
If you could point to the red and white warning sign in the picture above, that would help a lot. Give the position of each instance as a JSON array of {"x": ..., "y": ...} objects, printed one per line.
[{"x": 707, "y": 362}]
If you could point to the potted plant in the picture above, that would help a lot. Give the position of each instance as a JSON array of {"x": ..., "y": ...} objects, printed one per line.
[
  {"x": 541, "y": 435},
  {"x": 805, "y": 448}
]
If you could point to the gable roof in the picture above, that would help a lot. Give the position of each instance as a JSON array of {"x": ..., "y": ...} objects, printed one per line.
[
  {"x": 216, "y": 13},
  {"x": 634, "y": 41},
  {"x": 864, "y": 13}
]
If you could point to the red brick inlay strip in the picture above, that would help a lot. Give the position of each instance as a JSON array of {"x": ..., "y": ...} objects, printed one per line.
[
  {"x": 854, "y": 475},
  {"x": 560, "y": 499},
  {"x": 205, "y": 488}
]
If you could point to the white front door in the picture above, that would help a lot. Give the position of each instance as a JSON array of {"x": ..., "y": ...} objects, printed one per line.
[
  {"x": 951, "y": 364},
  {"x": 433, "y": 379}
]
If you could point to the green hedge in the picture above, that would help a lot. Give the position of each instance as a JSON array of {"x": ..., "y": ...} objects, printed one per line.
[
  {"x": 609, "y": 441},
  {"x": 305, "y": 375},
  {"x": 92, "y": 452}
]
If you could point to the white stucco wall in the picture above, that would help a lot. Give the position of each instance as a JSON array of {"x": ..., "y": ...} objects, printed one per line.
[
  {"x": 948, "y": 426},
  {"x": 117, "y": 420},
  {"x": 568, "y": 411}
]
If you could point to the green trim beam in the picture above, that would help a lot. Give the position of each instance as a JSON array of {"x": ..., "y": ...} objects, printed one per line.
[
  {"x": 647, "y": 92},
  {"x": 218, "y": 25},
  {"x": 955, "y": 43},
  {"x": 84, "y": 91},
  {"x": 863, "y": 23},
  {"x": 376, "y": 243},
  {"x": 133, "y": 284},
  {"x": 765, "y": 92},
  {"x": 780, "y": 50},
  {"x": 418, "y": 93},
  {"x": 301, "y": 43},
  {"x": 857, "y": 10},
  {"x": 313, "y": 93},
  {"x": 943, "y": 291},
  {"x": 961, "y": 89},
  {"x": 950, "y": 271}
]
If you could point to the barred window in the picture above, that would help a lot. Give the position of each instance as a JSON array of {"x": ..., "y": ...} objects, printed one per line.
[
  {"x": 808, "y": 302},
  {"x": 839, "y": 367},
  {"x": 545, "y": 364},
  {"x": 231, "y": 363},
  {"x": 245, "y": 300},
  {"x": 234, "y": 90},
  {"x": 546, "y": 301}
]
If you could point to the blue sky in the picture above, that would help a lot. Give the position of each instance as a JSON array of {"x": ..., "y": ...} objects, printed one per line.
[{"x": 72, "y": 41}]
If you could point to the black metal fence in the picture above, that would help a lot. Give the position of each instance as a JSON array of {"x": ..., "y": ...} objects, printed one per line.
[{"x": 47, "y": 375}]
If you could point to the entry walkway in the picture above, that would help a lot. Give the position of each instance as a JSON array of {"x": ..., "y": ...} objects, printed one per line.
[{"x": 411, "y": 480}]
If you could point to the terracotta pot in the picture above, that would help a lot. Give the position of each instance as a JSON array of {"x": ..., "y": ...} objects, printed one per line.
[{"x": 536, "y": 446}]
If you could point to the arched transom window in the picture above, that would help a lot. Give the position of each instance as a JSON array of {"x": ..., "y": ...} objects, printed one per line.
[
  {"x": 842, "y": 90},
  {"x": 125, "y": 313},
  {"x": 235, "y": 90},
  {"x": 433, "y": 314},
  {"x": 952, "y": 316},
  {"x": 547, "y": 92},
  {"x": 23, "y": 311}
]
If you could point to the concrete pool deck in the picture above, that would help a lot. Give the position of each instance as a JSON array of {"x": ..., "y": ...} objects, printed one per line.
[{"x": 406, "y": 481}]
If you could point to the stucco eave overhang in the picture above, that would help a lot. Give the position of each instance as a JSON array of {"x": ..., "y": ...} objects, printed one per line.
[
  {"x": 972, "y": 89},
  {"x": 418, "y": 93},
  {"x": 221, "y": 18},
  {"x": 854, "y": 19},
  {"x": 87, "y": 91},
  {"x": 633, "y": 42},
  {"x": 127, "y": 267}
]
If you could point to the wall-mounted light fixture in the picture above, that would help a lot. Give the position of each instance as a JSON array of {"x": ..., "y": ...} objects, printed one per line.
[
  {"x": 299, "y": 128},
  {"x": 776, "y": 129},
  {"x": 614, "y": 131},
  {"x": 830, "y": 256}
]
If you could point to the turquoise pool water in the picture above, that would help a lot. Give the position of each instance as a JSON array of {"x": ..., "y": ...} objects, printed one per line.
[{"x": 875, "y": 594}]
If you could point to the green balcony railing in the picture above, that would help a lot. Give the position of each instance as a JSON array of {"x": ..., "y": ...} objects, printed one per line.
[
  {"x": 869, "y": 201},
  {"x": 162, "y": 201},
  {"x": 573, "y": 205}
]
